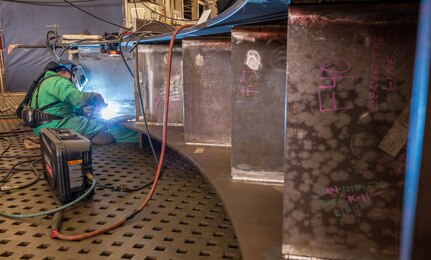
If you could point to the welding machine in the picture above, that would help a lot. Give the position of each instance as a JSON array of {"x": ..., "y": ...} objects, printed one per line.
[{"x": 66, "y": 160}]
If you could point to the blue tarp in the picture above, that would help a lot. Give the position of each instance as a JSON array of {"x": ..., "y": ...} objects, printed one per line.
[{"x": 26, "y": 24}]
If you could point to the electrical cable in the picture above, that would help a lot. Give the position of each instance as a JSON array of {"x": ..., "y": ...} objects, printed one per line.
[
  {"x": 8, "y": 146},
  {"x": 71, "y": 45},
  {"x": 130, "y": 39},
  {"x": 123, "y": 188},
  {"x": 138, "y": 37},
  {"x": 25, "y": 185},
  {"x": 46, "y": 3},
  {"x": 122, "y": 56},
  {"x": 120, "y": 43},
  {"x": 140, "y": 93},
  {"x": 141, "y": 103},
  {"x": 123, "y": 35},
  {"x": 171, "y": 18},
  {"x": 97, "y": 17},
  {"x": 57, "y": 234},
  {"x": 11, "y": 169},
  {"x": 140, "y": 97},
  {"x": 19, "y": 168},
  {"x": 52, "y": 211},
  {"x": 169, "y": 27},
  {"x": 136, "y": 9}
]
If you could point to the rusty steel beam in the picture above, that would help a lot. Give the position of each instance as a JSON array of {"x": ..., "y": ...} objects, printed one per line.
[
  {"x": 152, "y": 76},
  {"x": 349, "y": 86},
  {"x": 258, "y": 105},
  {"x": 207, "y": 91}
]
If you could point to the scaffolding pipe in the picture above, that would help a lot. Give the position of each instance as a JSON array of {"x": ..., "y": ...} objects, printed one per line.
[
  {"x": 416, "y": 129},
  {"x": 3, "y": 106}
]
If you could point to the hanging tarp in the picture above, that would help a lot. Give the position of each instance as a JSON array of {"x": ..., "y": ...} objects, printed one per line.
[{"x": 26, "y": 23}]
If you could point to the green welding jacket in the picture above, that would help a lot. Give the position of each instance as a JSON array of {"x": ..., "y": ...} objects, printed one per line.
[{"x": 56, "y": 88}]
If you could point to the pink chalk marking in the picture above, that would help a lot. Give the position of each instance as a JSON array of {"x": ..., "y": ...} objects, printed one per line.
[
  {"x": 247, "y": 91},
  {"x": 378, "y": 44},
  {"x": 348, "y": 210},
  {"x": 243, "y": 76},
  {"x": 324, "y": 67},
  {"x": 379, "y": 40},
  {"x": 335, "y": 106},
  {"x": 375, "y": 70},
  {"x": 373, "y": 89},
  {"x": 334, "y": 79},
  {"x": 333, "y": 189},
  {"x": 373, "y": 95},
  {"x": 391, "y": 62},
  {"x": 390, "y": 86},
  {"x": 330, "y": 202},
  {"x": 357, "y": 198},
  {"x": 336, "y": 69},
  {"x": 390, "y": 66}
]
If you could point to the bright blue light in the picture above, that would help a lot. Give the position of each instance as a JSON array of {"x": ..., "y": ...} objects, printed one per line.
[{"x": 111, "y": 111}]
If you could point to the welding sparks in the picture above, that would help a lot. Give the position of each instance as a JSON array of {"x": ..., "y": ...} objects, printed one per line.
[{"x": 110, "y": 111}]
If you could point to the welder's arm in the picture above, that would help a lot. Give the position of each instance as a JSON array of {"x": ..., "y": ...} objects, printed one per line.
[
  {"x": 95, "y": 100},
  {"x": 67, "y": 92}
]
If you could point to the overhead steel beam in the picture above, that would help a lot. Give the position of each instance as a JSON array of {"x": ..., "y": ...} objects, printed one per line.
[{"x": 242, "y": 12}]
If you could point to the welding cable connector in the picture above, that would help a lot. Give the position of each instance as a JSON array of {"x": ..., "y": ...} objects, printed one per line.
[
  {"x": 90, "y": 176},
  {"x": 121, "y": 188},
  {"x": 8, "y": 188}
]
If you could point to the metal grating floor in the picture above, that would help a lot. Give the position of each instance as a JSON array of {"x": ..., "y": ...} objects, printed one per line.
[
  {"x": 184, "y": 220},
  {"x": 9, "y": 103}
]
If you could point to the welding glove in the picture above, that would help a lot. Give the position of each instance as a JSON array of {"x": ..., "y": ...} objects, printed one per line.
[{"x": 95, "y": 100}]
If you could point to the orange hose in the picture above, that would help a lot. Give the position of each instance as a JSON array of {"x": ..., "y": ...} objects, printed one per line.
[{"x": 57, "y": 234}]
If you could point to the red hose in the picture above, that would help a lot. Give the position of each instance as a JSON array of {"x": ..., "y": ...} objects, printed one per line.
[{"x": 58, "y": 235}]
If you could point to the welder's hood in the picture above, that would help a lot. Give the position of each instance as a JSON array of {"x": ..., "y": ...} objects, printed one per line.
[{"x": 78, "y": 74}]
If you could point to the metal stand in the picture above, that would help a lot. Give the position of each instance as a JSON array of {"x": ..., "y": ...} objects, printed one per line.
[{"x": 3, "y": 106}]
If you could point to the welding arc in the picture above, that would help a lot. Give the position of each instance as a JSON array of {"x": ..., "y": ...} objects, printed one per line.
[{"x": 57, "y": 234}]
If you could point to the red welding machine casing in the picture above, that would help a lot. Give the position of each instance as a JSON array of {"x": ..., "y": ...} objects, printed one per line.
[{"x": 66, "y": 159}]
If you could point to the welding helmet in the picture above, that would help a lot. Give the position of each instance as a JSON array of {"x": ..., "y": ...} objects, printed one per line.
[
  {"x": 77, "y": 73},
  {"x": 65, "y": 66}
]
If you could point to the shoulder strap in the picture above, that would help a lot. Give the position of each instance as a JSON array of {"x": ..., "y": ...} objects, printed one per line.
[
  {"x": 50, "y": 105},
  {"x": 37, "y": 94}
]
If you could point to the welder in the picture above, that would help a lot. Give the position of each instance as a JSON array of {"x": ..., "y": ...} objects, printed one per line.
[{"x": 60, "y": 104}]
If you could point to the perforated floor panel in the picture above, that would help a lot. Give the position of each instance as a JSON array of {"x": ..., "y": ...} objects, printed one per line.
[{"x": 184, "y": 220}]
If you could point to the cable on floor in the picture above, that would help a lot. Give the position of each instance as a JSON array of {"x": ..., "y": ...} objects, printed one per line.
[{"x": 120, "y": 222}]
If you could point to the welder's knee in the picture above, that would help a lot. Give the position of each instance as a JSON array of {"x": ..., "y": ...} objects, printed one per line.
[{"x": 103, "y": 138}]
